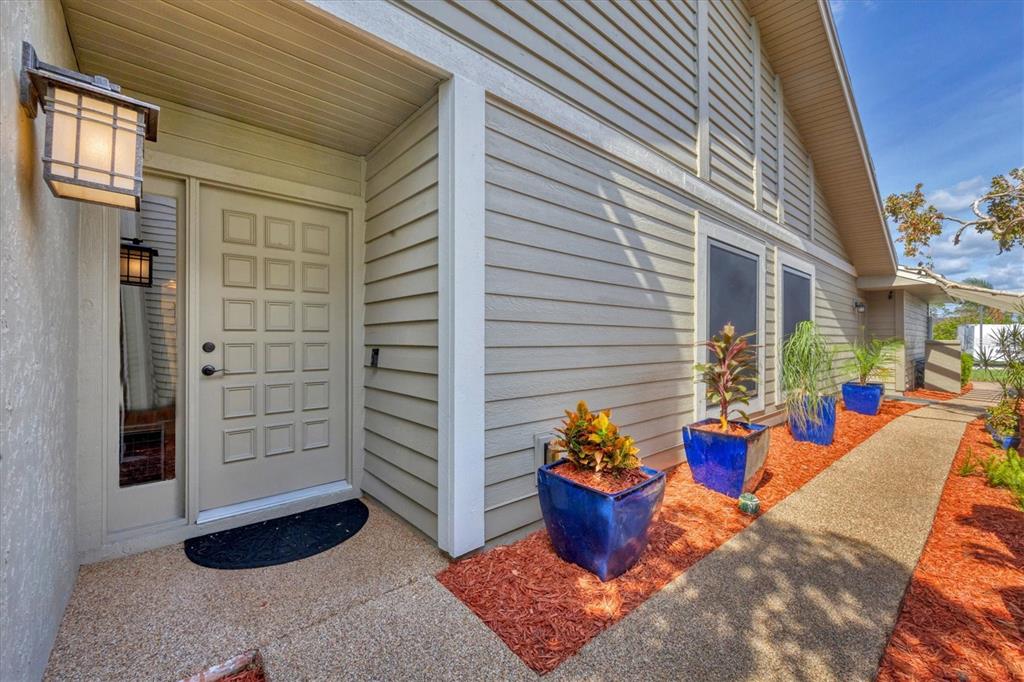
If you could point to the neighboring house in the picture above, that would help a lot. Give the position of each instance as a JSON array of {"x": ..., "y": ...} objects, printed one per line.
[{"x": 412, "y": 234}]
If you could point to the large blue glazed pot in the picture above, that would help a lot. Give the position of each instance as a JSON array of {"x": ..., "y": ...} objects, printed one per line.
[
  {"x": 863, "y": 398},
  {"x": 1005, "y": 442},
  {"x": 821, "y": 430},
  {"x": 729, "y": 463},
  {"x": 604, "y": 533}
]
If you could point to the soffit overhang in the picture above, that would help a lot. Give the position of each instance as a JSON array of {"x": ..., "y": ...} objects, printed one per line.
[{"x": 803, "y": 48}]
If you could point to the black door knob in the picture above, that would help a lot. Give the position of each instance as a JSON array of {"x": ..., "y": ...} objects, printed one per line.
[
  {"x": 209, "y": 347},
  {"x": 209, "y": 370}
]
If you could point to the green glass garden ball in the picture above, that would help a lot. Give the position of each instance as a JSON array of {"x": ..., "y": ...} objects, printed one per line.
[{"x": 749, "y": 504}]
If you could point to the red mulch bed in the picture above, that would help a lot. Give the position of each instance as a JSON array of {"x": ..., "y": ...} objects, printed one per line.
[
  {"x": 962, "y": 616},
  {"x": 606, "y": 481},
  {"x": 546, "y": 609},
  {"x": 929, "y": 394}
]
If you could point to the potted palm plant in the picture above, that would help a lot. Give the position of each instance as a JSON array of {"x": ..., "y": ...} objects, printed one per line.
[
  {"x": 868, "y": 359},
  {"x": 598, "y": 500},
  {"x": 808, "y": 383},
  {"x": 727, "y": 455}
]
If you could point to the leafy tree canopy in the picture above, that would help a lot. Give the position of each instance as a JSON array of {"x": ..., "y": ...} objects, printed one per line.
[{"x": 999, "y": 212}]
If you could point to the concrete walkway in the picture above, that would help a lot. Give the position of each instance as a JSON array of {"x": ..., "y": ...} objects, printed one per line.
[
  {"x": 809, "y": 591},
  {"x": 812, "y": 589}
]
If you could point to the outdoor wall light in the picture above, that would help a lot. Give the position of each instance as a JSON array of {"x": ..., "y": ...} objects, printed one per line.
[
  {"x": 94, "y": 134},
  {"x": 860, "y": 307},
  {"x": 137, "y": 263}
]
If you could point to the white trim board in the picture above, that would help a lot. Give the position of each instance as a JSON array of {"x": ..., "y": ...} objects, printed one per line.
[
  {"x": 397, "y": 27},
  {"x": 460, "y": 329},
  {"x": 708, "y": 228}
]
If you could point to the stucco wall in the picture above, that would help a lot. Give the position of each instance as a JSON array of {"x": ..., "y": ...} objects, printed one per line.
[{"x": 38, "y": 362}]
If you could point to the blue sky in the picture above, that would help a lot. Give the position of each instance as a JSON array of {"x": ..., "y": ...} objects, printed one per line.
[{"x": 940, "y": 89}]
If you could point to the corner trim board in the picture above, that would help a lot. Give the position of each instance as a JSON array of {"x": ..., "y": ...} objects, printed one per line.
[{"x": 460, "y": 343}]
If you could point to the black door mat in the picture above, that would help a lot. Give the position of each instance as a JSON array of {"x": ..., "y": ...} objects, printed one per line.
[{"x": 278, "y": 541}]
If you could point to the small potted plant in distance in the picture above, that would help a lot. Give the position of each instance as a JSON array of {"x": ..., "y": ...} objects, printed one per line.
[
  {"x": 868, "y": 359},
  {"x": 807, "y": 381},
  {"x": 598, "y": 500},
  {"x": 1003, "y": 422},
  {"x": 724, "y": 455}
]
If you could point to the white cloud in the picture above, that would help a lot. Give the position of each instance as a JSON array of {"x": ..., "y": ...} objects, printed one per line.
[
  {"x": 958, "y": 197},
  {"x": 976, "y": 256}
]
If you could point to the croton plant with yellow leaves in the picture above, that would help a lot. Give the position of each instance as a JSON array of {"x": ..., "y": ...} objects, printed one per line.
[{"x": 592, "y": 441}]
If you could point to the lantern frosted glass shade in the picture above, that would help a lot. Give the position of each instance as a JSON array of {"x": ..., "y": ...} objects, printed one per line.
[
  {"x": 93, "y": 149},
  {"x": 137, "y": 264},
  {"x": 94, "y": 134}
]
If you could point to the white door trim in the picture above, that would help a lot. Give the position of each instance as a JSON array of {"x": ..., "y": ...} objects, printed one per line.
[
  {"x": 271, "y": 502},
  {"x": 460, "y": 343},
  {"x": 100, "y": 237}
]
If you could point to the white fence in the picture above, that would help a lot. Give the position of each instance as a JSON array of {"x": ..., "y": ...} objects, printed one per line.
[{"x": 975, "y": 337}]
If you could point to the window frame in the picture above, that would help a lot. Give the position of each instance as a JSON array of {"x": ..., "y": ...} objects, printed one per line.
[
  {"x": 731, "y": 238},
  {"x": 783, "y": 260}
]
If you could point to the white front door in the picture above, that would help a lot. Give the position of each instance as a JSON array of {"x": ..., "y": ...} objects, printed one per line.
[{"x": 272, "y": 322}]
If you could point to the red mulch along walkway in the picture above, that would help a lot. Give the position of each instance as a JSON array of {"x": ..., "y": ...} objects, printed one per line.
[
  {"x": 545, "y": 609},
  {"x": 929, "y": 394},
  {"x": 963, "y": 613}
]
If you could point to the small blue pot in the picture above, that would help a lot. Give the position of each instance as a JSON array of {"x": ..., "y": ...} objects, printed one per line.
[
  {"x": 727, "y": 463},
  {"x": 863, "y": 398},
  {"x": 821, "y": 431},
  {"x": 1005, "y": 442},
  {"x": 604, "y": 533}
]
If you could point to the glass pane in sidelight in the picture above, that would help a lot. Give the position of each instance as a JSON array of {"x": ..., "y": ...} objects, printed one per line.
[{"x": 149, "y": 350}]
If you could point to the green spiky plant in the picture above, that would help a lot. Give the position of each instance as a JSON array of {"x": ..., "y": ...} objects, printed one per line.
[
  {"x": 731, "y": 369},
  {"x": 868, "y": 359},
  {"x": 807, "y": 379}
]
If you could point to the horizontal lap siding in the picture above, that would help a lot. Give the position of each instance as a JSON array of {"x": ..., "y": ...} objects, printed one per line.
[
  {"x": 401, "y": 320},
  {"x": 589, "y": 295},
  {"x": 769, "y": 140},
  {"x": 798, "y": 180},
  {"x": 731, "y": 100},
  {"x": 915, "y": 332},
  {"x": 207, "y": 137},
  {"x": 631, "y": 64}
]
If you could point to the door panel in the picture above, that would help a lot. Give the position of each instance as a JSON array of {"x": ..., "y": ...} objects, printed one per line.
[{"x": 273, "y": 300}]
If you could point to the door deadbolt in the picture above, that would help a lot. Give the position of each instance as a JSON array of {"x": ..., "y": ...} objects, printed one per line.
[
  {"x": 209, "y": 370},
  {"x": 209, "y": 347}
]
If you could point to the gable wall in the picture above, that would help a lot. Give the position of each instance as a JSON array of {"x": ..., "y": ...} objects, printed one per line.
[{"x": 640, "y": 67}]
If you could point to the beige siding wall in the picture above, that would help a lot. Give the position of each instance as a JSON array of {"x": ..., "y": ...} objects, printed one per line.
[
  {"x": 590, "y": 295},
  {"x": 915, "y": 332},
  {"x": 635, "y": 65},
  {"x": 203, "y": 136},
  {"x": 401, "y": 320}
]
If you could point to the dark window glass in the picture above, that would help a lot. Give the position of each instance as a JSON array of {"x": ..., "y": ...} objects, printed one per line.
[
  {"x": 732, "y": 292},
  {"x": 796, "y": 300}
]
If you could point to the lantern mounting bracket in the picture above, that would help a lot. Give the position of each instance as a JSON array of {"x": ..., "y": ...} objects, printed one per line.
[{"x": 35, "y": 74}]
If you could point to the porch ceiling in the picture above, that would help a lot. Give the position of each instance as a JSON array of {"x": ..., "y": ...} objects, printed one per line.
[{"x": 269, "y": 63}]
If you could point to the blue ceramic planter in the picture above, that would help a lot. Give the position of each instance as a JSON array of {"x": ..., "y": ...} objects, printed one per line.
[
  {"x": 820, "y": 433},
  {"x": 863, "y": 398},
  {"x": 602, "y": 532},
  {"x": 728, "y": 463},
  {"x": 1005, "y": 442}
]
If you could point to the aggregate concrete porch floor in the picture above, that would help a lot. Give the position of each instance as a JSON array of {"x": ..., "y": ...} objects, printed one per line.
[{"x": 809, "y": 591}]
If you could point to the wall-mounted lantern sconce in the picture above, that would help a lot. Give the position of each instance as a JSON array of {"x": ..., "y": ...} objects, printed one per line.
[
  {"x": 137, "y": 263},
  {"x": 860, "y": 307},
  {"x": 94, "y": 134}
]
